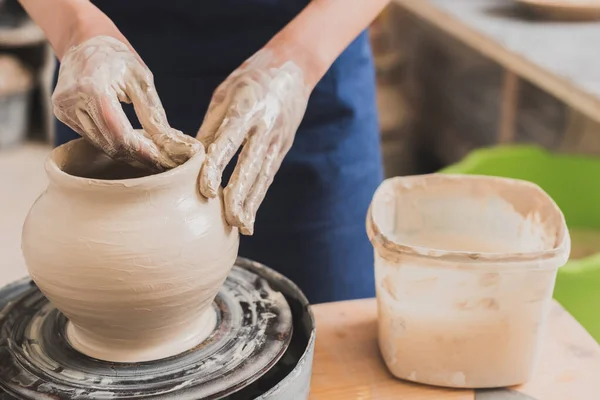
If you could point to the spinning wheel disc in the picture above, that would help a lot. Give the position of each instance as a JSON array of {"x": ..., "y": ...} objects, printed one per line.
[{"x": 254, "y": 328}]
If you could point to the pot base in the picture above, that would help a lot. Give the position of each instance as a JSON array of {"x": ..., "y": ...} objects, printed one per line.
[
  {"x": 250, "y": 352},
  {"x": 138, "y": 351}
]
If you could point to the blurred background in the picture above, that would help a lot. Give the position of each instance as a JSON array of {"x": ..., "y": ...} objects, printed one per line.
[{"x": 497, "y": 87}]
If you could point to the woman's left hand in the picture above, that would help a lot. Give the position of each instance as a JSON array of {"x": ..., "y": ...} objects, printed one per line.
[{"x": 260, "y": 106}]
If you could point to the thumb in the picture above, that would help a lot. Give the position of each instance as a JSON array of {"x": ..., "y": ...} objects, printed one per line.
[{"x": 172, "y": 143}]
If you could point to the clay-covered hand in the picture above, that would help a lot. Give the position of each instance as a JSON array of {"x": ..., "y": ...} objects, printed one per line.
[
  {"x": 259, "y": 106},
  {"x": 94, "y": 78}
]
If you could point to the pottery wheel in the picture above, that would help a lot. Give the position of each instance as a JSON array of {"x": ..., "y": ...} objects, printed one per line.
[{"x": 253, "y": 331}]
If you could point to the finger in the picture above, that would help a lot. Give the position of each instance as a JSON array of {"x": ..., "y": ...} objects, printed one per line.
[
  {"x": 124, "y": 143},
  {"x": 181, "y": 147},
  {"x": 89, "y": 129},
  {"x": 147, "y": 105},
  {"x": 213, "y": 118},
  {"x": 65, "y": 107},
  {"x": 173, "y": 144},
  {"x": 73, "y": 120},
  {"x": 229, "y": 138},
  {"x": 273, "y": 158},
  {"x": 174, "y": 132},
  {"x": 133, "y": 144},
  {"x": 177, "y": 146},
  {"x": 147, "y": 153},
  {"x": 94, "y": 135},
  {"x": 234, "y": 96},
  {"x": 249, "y": 164}
]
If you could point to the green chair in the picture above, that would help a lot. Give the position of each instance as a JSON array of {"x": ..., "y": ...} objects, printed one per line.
[{"x": 574, "y": 183}]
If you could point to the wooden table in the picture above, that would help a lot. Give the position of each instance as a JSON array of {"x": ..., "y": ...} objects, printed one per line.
[{"x": 348, "y": 366}]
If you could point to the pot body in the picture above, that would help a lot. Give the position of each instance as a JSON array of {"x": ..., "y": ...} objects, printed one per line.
[{"x": 133, "y": 263}]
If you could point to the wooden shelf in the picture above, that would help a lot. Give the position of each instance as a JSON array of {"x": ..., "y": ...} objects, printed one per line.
[
  {"x": 27, "y": 34},
  {"x": 556, "y": 56}
]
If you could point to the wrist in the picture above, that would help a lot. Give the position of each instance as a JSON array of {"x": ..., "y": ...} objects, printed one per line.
[
  {"x": 313, "y": 42},
  {"x": 68, "y": 23},
  {"x": 91, "y": 23},
  {"x": 83, "y": 22},
  {"x": 286, "y": 46}
]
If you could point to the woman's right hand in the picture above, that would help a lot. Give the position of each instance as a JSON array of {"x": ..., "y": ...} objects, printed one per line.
[{"x": 94, "y": 78}]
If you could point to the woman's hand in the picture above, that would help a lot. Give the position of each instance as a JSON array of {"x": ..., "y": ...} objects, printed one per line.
[
  {"x": 259, "y": 106},
  {"x": 94, "y": 78}
]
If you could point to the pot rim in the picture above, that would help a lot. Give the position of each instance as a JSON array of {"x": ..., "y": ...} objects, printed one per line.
[
  {"x": 166, "y": 178},
  {"x": 552, "y": 258}
]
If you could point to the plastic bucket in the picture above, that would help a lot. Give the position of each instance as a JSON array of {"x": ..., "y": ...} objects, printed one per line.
[
  {"x": 572, "y": 181},
  {"x": 464, "y": 268}
]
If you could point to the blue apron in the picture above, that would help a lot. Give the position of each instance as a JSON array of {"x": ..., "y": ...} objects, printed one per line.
[{"x": 311, "y": 225}]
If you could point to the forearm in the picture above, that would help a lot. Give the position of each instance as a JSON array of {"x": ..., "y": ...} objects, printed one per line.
[
  {"x": 67, "y": 23},
  {"x": 319, "y": 34}
]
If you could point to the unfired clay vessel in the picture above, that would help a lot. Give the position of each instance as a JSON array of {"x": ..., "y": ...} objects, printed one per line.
[{"x": 134, "y": 260}]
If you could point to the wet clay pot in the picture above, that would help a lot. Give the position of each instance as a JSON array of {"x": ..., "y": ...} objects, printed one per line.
[{"x": 133, "y": 259}]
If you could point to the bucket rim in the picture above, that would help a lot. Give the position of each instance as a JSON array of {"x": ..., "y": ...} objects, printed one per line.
[{"x": 389, "y": 249}]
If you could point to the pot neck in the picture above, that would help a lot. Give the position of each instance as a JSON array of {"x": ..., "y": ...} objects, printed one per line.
[{"x": 74, "y": 167}]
